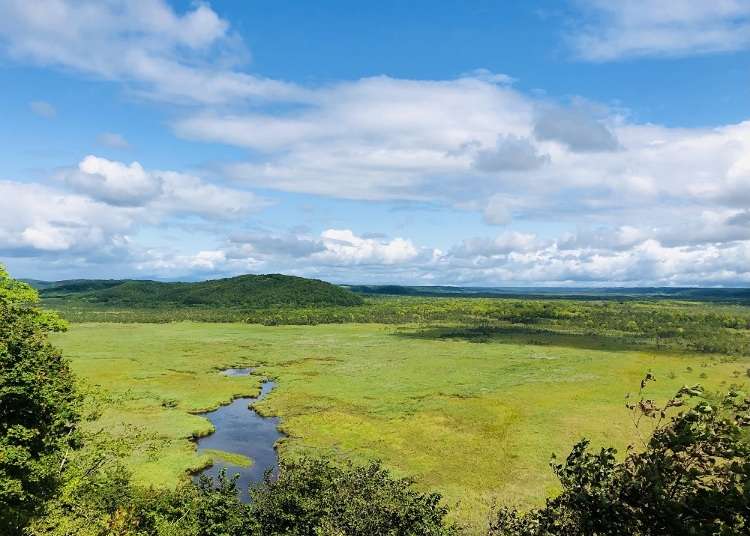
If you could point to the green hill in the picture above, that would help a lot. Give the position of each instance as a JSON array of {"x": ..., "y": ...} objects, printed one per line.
[{"x": 245, "y": 291}]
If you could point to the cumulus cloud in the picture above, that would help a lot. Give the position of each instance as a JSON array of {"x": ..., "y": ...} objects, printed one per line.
[
  {"x": 36, "y": 219},
  {"x": 112, "y": 182},
  {"x": 188, "y": 194},
  {"x": 186, "y": 57},
  {"x": 518, "y": 259},
  {"x": 120, "y": 184},
  {"x": 43, "y": 109},
  {"x": 677, "y": 28},
  {"x": 342, "y": 246}
]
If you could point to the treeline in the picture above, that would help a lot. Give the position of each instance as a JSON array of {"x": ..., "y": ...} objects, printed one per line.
[
  {"x": 718, "y": 295},
  {"x": 698, "y": 327}
]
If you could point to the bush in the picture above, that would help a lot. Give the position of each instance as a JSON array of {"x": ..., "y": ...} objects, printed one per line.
[
  {"x": 315, "y": 497},
  {"x": 691, "y": 477}
]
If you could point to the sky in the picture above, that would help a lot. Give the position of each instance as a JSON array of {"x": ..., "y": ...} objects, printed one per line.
[{"x": 472, "y": 142}]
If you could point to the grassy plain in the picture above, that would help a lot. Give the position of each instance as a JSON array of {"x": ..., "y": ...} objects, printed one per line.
[{"x": 475, "y": 418}]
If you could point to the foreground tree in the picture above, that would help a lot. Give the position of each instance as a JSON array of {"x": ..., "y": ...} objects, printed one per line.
[
  {"x": 692, "y": 476},
  {"x": 38, "y": 405},
  {"x": 316, "y": 497}
]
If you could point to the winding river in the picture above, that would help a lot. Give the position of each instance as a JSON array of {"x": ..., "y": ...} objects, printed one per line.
[{"x": 239, "y": 429}]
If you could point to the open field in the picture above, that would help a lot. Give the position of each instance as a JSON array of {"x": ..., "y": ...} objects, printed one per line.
[{"x": 474, "y": 417}]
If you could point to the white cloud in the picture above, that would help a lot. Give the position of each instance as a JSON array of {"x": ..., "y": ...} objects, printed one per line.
[
  {"x": 511, "y": 258},
  {"x": 334, "y": 251},
  {"x": 121, "y": 184},
  {"x": 43, "y": 109},
  {"x": 342, "y": 246},
  {"x": 182, "y": 57},
  {"x": 113, "y": 182},
  {"x": 164, "y": 263},
  {"x": 622, "y": 29},
  {"x": 187, "y": 194},
  {"x": 471, "y": 142},
  {"x": 654, "y": 203},
  {"x": 35, "y": 219},
  {"x": 376, "y": 138}
]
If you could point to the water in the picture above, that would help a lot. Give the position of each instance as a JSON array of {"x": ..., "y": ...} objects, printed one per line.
[
  {"x": 241, "y": 430},
  {"x": 235, "y": 372}
]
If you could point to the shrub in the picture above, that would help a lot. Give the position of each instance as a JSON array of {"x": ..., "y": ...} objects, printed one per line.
[
  {"x": 315, "y": 497},
  {"x": 691, "y": 477}
]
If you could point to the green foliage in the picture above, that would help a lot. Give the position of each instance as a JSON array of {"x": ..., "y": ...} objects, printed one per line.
[
  {"x": 96, "y": 495},
  {"x": 691, "y": 477},
  {"x": 314, "y": 497},
  {"x": 90, "y": 503},
  {"x": 38, "y": 405},
  {"x": 98, "y": 498},
  {"x": 311, "y": 498},
  {"x": 246, "y": 291}
]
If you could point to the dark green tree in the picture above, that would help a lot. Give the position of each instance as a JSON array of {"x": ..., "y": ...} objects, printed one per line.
[
  {"x": 38, "y": 405},
  {"x": 316, "y": 497}
]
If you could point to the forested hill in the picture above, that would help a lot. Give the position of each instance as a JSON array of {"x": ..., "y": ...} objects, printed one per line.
[{"x": 246, "y": 291}]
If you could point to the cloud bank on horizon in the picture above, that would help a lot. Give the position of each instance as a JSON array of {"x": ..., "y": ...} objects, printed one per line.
[{"x": 504, "y": 186}]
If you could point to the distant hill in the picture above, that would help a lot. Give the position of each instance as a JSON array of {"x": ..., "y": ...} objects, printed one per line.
[
  {"x": 246, "y": 291},
  {"x": 730, "y": 295}
]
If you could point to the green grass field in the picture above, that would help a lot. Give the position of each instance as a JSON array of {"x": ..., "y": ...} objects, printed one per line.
[{"x": 476, "y": 421}]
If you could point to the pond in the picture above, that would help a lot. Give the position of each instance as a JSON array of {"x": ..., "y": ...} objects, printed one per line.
[
  {"x": 235, "y": 372},
  {"x": 240, "y": 430}
]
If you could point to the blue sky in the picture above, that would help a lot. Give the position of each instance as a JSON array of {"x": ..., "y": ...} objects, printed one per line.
[{"x": 578, "y": 142}]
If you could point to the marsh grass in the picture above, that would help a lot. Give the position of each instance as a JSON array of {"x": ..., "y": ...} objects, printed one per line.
[
  {"x": 476, "y": 421},
  {"x": 228, "y": 458}
]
